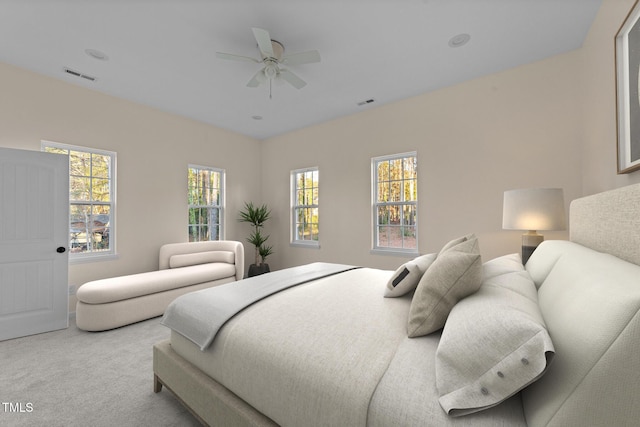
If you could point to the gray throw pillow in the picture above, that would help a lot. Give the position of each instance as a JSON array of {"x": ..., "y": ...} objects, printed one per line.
[
  {"x": 406, "y": 277},
  {"x": 455, "y": 274},
  {"x": 455, "y": 242},
  {"x": 494, "y": 344}
]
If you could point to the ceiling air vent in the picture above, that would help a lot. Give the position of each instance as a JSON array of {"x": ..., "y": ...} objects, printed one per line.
[
  {"x": 368, "y": 101},
  {"x": 79, "y": 74}
]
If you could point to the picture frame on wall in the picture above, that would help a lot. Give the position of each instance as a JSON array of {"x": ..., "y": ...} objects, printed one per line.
[{"x": 627, "y": 49}]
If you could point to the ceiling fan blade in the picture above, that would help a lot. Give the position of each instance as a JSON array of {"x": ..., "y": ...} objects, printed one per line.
[
  {"x": 301, "y": 58},
  {"x": 293, "y": 80},
  {"x": 264, "y": 42},
  {"x": 256, "y": 79},
  {"x": 233, "y": 57}
]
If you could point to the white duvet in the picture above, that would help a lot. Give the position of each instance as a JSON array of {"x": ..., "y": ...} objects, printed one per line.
[{"x": 318, "y": 355}]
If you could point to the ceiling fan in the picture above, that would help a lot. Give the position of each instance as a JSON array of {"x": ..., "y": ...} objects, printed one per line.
[{"x": 272, "y": 59}]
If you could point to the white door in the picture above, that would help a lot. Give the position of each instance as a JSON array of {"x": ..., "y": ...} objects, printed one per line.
[{"x": 34, "y": 235}]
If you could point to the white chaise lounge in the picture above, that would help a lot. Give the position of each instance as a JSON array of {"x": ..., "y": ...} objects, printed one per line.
[{"x": 183, "y": 267}]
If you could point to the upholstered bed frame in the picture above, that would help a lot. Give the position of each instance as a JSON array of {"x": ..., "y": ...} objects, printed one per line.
[{"x": 594, "y": 377}]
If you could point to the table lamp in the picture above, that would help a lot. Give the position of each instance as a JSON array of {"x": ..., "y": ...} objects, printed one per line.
[{"x": 533, "y": 209}]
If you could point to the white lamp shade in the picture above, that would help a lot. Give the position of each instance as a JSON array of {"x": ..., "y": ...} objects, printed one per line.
[{"x": 534, "y": 209}]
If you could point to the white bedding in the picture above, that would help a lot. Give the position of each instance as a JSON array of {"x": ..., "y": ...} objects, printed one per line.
[
  {"x": 345, "y": 359},
  {"x": 199, "y": 316}
]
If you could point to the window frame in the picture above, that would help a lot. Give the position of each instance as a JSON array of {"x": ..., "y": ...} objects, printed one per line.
[
  {"x": 220, "y": 206},
  {"x": 375, "y": 247},
  {"x": 93, "y": 255},
  {"x": 294, "y": 241}
]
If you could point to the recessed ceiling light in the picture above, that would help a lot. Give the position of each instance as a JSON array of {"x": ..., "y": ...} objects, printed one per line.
[
  {"x": 96, "y": 54},
  {"x": 256, "y": 117},
  {"x": 459, "y": 40}
]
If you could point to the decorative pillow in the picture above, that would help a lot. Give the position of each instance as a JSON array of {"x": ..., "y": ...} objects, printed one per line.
[
  {"x": 494, "y": 344},
  {"x": 456, "y": 273},
  {"x": 407, "y": 276},
  {"x": 185, "y": 260},
  {"x": 455, "y": 242}
]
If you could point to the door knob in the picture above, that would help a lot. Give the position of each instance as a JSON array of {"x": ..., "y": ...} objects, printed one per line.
[{"x": 61, "y": 249}]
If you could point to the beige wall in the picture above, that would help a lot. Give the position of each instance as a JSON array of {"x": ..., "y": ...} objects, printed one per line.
[
  {"x": 599, "y": 125},
  {"x": 153, "y": 151},
  {"x": 519, "y": 128}
]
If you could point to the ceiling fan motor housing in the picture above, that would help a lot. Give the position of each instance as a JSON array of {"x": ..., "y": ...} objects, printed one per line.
[{"x": 278, "y": 50}]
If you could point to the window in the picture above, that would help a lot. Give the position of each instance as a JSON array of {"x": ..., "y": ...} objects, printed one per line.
[
  {"x": 91, "y": 199},
  {"x": 206, "y": 203},
  {"x": 304, "y": 203},
  {"x": 395, "y": 203}
]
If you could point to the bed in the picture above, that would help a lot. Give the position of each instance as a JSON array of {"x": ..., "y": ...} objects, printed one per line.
[{"x": 445, "y": 340}]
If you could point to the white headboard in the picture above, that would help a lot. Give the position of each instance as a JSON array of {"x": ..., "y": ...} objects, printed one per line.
[{"x": 609, "y": 222}]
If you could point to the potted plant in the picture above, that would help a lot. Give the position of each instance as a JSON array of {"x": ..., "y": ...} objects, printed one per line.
[{"x": 257, "y": 216}]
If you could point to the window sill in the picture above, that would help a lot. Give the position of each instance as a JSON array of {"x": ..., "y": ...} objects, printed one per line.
[
  {"x": 309, "y": 245},
  {"x": 395, "y": 252},
  {"x": 83, "y": 259}
]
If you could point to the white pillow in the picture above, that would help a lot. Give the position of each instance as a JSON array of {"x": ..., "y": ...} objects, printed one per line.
[
  {"x": 493, "y": 344},
  {"x": 456, "y": 273},
  {"x": 195, "y": 258},
  {"x": 501, "y": 265},
  {"x": 406, "y": 277}
]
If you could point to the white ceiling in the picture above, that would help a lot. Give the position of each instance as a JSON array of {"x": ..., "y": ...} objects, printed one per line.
[{"x": 162, "y": 53}]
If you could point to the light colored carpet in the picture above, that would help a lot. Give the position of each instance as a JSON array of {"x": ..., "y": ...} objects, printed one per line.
[{"x": 76, "y": 378}]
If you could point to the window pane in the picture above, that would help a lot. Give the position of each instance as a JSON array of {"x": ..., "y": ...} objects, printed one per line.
[
  {"x": 410, "y": 170},
  {"x": 383, "y": 215},
  {"x": 409, "y": 237},
  {"x": 79, "y": 163},
  {"x": 99, "y": 228},
  {"x": 214, "y": 233},
  {"x": 314, "y": 223},
  {"x": 394, "y": 214},
  {"x": 383, "y": 171},
  {"x": 193, "y": 233},
  {"x": 203, "y": 216},
  {"x": 383, "y": 192},
  {"x": 383, "y": 236},
  {"x": 100, "y": 190},
  {"x": 308, "y": 196},
  {"x": 410, "y": 190},
  {"x": 409, "y": 215},
  {"x": 79, "y": 188},
  {"x": 395, "y": 191},
  {"x": 56, "y": 150},
  {"x": 89, "y": 228},
  {"x": 395, "y": 169},
  {"x": 100, "y": 165},
  {"x": 205, "y": 232}
]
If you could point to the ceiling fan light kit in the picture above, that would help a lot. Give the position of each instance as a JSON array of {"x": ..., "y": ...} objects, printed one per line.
[{"x": 272, "y": 58}]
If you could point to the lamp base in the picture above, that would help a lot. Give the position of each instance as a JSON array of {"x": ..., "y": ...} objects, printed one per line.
[{"x": 530, "y": 242}]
